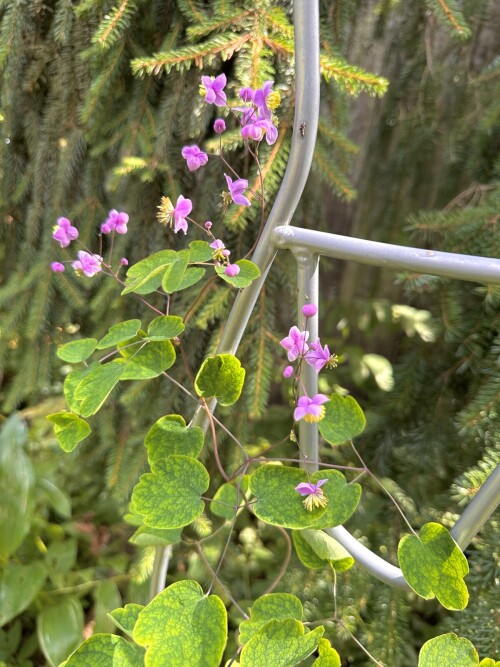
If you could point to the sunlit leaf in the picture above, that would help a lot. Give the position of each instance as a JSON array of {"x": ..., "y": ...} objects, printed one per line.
[
  {"x": 317, "y": 549},
  {"x": 170, "y": 435},
  {"x": 165, "y": 327},
  {"x": 70, "y": 429},
  {"x": 103, "y": 650},
  {"x": 280, "y": 643},
  {"x": 182, "y": 627},
  {"x": 273, "y": 606},
  {"x": 148, "y": 362},
  {"x": 248, "y": 273},
  {"x": 126, "y": 617},
  {"x": 95, "y": 387},
  {"x": 145, "y": 276},
  {"x": 434, "y": 566},
  {"x": 221, "y": 376},
  {"x": 77, "y": 350},
  {"x": 343, "y": 420},
  {"x": 448, "y": 651},
  {"x": 328, "y": 656},
  {"x": 120, "y": 333}
]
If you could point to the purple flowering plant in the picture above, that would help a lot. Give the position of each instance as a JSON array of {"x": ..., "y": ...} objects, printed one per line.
[{"x": 172, "y": 495}]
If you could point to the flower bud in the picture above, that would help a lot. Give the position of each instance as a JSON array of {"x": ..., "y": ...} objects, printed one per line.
[
  {"x": 232, "y": 270},
  {"x": 57, "y": 267},
  {"x": 208, "y": 225},
  {"x": 288, "y": 372},
  {"x": 309, "y": 310},
  {"x": 219, "y": 126}
]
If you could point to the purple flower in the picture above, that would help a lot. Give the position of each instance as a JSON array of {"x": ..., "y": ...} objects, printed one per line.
[
  {"x": 310, "y": 409},
  {"x": 246, "y": 94},
  {"x": 87, "y": 264},
  {"x": 314, "y": 492},
  {"x": 309, "y": 310},
  {"x": 217, "y": 245},
  {"x": 232, "y": 270},
  {"x": 195, "y": 157},
  {"x": 260, "y": 98},
  {"x": 64, "y": 232},
  {"x": 258, "y": 128},
  {"x": 288, "y": 372},
  {"x": 182, "y": 209},
  {"x": 295, "y": 343},
  {"x": 213, "y": 89},
  {"x": 253, "y": 131},
  {"x": 219, "y": 126},
  {"x": 124, "y": 261},
  {"x": 115, "y": 222},
  {"x": 237, "y": 189},
  {"x": 208, "y": 225},
  {"x": 57, "y": 267},
  {"x": 317, "y": 356}
]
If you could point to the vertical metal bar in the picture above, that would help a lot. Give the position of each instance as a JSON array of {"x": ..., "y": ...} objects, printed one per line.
[{"x": 308, "y": 292}]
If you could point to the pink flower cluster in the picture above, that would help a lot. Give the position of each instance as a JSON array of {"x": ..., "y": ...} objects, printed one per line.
[{"x": 87, "y": 264}]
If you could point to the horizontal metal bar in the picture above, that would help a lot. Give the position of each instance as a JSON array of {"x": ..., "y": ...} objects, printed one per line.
[{"x": 484, "y": 270}]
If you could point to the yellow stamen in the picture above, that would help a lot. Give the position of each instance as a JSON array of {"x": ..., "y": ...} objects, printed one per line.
[
  {"x": 273, "y": 100},
  {"x": 312, "y": 419},
  {"x": 165, "y": 211},
  {"x": 202, "y": 90},
  {"x": 314, "y": 500}
]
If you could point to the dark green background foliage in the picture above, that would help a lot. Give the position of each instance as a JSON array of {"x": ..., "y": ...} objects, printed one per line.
[{"x": 96, "y": 100}]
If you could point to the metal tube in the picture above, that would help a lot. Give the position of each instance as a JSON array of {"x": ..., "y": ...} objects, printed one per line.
[
  {"x": 308, "y": 292},
  {"x": 450, "y": 265},
  {"x": 478, "y": 511}
]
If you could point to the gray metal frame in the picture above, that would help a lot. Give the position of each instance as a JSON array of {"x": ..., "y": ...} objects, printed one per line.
[{"x": 307, "y": 246}]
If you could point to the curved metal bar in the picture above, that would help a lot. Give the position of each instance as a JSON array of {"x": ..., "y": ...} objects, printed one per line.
[
  {"x": 307, "y": 84},
  {"x": 447, "y": 264},
  {"x": 478, "y": 511}
]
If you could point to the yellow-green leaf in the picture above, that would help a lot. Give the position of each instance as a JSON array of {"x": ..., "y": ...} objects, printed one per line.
[
  {"x": 182, "y": 627},
  {"x": 221, "y": 376},
  {"x": 315, "y": 546},
  {"x": 69, "y": 428},
  {"x": 280, "y": 643},
  {"x": 120, "y": 333},
  {"x": 328, "y": 656},
  {"x": 169, "y": 496},
  {"x": 148, "y": 362},
  {"x": 343, "y": 420},
  {"x": 103, "y": 650},
  {"x": 434, "y": 566},
  {"x": 165, "y": 327},
  {"x": 126, "y": 617},
  {"x": 448, "y": 651},
  {"x": 248, "y": 273},
  {"x": 95, "y": 387},
  {"x": 170, "y": 435},
  {"x": 145, "y": 276},
  {"x": 273, "y": 606}
]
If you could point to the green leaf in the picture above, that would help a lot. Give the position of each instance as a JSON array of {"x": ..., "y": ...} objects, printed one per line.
[
  {"x": 19, "y": 585},
  {"x": 221, "y": 376},
  {"x": 170, "y": 435},
  {"x": 126, "y": 617},
  {"x": 56, "y": 498},
  {"x": 228, "y": 499},
  {"x": 343, "y": 420},
  {"x": 269, "y": 607},
  {"x": 315, "y": 546},
  {"x": 182, "y": 626},
  {"x": 106, "y": 598},
  {"x": 328, "y": 656},
  {"x": 120, "y": 333},
  {"x": 280, "y": 643},
  {"x": 106, "y": 651},
  {"x": 17, "y": 480},
  {"x": 248, "y": 273},
  {"x": 77, "y": 350},
  {"x": 145, "y": 536},
  {"x": 174, "y": 274},
  {"x": 448, "y": 651},
  {"x": 69, "y": 428},
  {"x": 279, "y": 504},
  {"x": 61, "y": 556},
  {"x": 71, "y": 382},
  {"x": 200, "y": 251},
  {"x": 489, "y": 662},
  {"x": 169, "y": 496},
  {"x": 145, "y": 276},
  {"x": 434, "y": 566},
  {"x": 148, "y": 362},
  {"x": 95, "y": 387},
  {"x": 191, "y": 277},
  {"x": 165, "y": 327},
  {"x": 60, "y": 629}
]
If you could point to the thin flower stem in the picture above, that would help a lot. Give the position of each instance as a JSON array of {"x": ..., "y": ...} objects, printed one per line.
[
  {"x": 214, "y": 440},
  {"x": 262, "y": 201},
  {"x": 386, "y": 491},
  {"x": 284, "y": 566},
  {"x": 219, "y": 582},
  {"x": 365, "y": 650}
]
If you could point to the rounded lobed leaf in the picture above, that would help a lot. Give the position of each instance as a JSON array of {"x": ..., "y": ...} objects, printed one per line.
[
  {"x": 169, "y": 496},
  {"x": 343, "y": 420},
  {"x": 102, "y": 650},
  {"x": 126, "y": 617},
  {"x": 148, "y": 362},
  {"x": 328, "y": 656},
  {"x": 145, "y": 536},
  {"x": 69, "y": 428},
  {"x": 120, "y": 333},
  {"x": 448, "y": 651},
  {"x": 182, "y": 626},
  {"x": 278, "y": 502},
  {"x": 165, "y": 327},
  {"x": 248, "y": 273},
  {"x": 77, "y": 350},
  {"x": 316, "y": 546},
  {"x": 95, "y": 387},
  {"x": 280, "y": 643},
  {"x": 221, "y": 376},
  {"x": 273, "y": 606},
  {"x": 434, "y": 566},
  {"x": 170, "y": 435}
]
